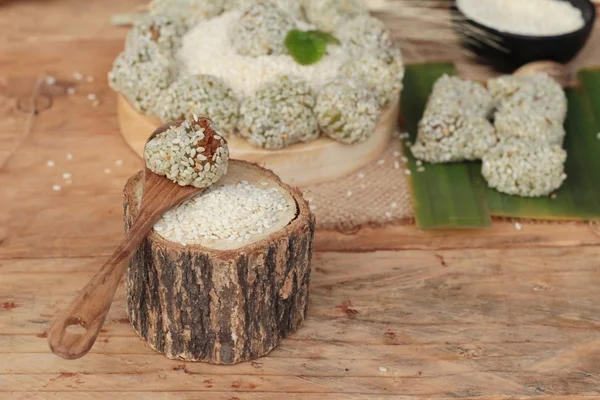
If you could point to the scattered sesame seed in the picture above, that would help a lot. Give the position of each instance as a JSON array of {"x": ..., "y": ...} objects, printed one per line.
[
  {"x": 312, "y": 207},
  {"x": 420, "y": 169},
  {"x": 50, "y": 163},
  {"x": 388, "y": 214},
  {"x": 77, "y": 76},
  {"x": 349, "y": 193},
  {"x": 118, "y": 163},
  {"x": 396, "y": 165},
  {"x": 396, "y": 153},
  {"x": 383, "y": 369},
  {"x": 69, "y": 156},
  {"x": 518, "y": 226},
  {"x": 71, "y": 90},
  {"x": 107, "y": 170},
  {"x": 419, "y": 163},
  {"x": 598, "y": 135},
  {"x": 92, "y": 96},
  {"x": 404, "y": 159},
  {"x": 50, "y": 80},
  {"x": 66, "y": 175},
  {"x": 361, "y": 175},
  {"x": 90, "y": 79},
  {"x": 380, "y": 162},
  {"x": 394, "y": 204},
  {"x": 264, "y": 183},
  {"x": 56, "y": 188},
  {"x": 407, "y": 171}
]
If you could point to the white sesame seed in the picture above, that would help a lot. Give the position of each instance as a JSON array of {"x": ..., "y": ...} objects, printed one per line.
[
  {"x": 50, "y": 163},
  {"x": 383, "y": 369},
  {"x": 69, "y": 156},
  {"x": 419, "y": 163},
  {"x": 518, "y": 226},
  {"x": 394, "y": 204},
  {"x": 380, "y": 162},
  {"x": 264, "y": 183},
  {"x": 118, "y": 163},
  {"x": 77, "y": 76},
  {"x": 396, "y": 165},
  {"x": 388, "y": 214},
  {"x": 312, "y": 207},
  {"x": 50, "y": 80},
  {"x": 56, "y": 188},
  {"x": 92, "y": 96},
  {"x": 66, "y": 175},
  {"x": 407, "y": 172},
  {"x": 349, "y": 193},
  {"x": 420, "y": 169},
  {"x": 71, "y": 90},
  {"x": 107, "y": 170},
  {"x": 598, "y": 135},
  {"x": 404, "y": 159},
  {"x": 361, "y": 175}
]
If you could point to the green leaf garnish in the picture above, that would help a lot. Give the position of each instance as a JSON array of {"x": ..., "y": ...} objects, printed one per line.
[{"x": 308, "y": 47}]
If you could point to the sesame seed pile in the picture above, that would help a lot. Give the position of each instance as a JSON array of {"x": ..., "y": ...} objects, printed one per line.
[
  {"x": 347, "y": 112},
  {"x": 525, "y": 17},
  {"x": 236, "y": 212},
  {"x": 211, "y": 57},
  {"x": 280, "y": 113},
  {"x": 521, "y": 153},
  {"x": 192, "y": 153}
]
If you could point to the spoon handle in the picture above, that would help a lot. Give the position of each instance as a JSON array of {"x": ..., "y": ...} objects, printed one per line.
[{"x": 90, "y": 306}]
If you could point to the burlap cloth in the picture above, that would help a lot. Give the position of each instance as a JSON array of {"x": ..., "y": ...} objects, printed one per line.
[{"x": 375, "y": 195}]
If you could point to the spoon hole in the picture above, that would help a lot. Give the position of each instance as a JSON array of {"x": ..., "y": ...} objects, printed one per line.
[{"x": 76, "y": 326}]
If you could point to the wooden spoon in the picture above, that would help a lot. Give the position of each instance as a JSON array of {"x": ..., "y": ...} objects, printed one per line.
[{"x": 89, "y": 308}]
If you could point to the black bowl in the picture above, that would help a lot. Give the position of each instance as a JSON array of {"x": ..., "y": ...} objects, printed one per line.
[{"x": 508, "y": 51}]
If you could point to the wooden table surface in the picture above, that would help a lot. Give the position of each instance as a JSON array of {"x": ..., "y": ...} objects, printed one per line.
[{"x": 499, "y": 313}]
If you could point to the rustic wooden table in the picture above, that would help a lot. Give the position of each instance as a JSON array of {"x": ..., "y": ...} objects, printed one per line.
[{"x": 498, "y": 313}]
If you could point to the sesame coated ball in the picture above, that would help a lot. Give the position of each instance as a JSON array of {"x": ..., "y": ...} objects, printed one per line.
[
  {"x": 292, "y": 7},
  {"x": 327, "y": 15},
  {"x": 383, "y": 78},
  {"x": 189, "y": 11},
  {"x": 525, "y": 123},
  {"x": 140, "y": 74},
  {"x": 279, "y": 114},
  {"x": 537, "y": 93},
  {"x": 200, "y": 95},
  {"x": 261, "y": 30},
  {"x": 471, "y": 97},
  {"x": 516, "y": 167},
  {"x": 365, "y": 34},
  {"x": 450, "y": 135},
  {"x": 166, "y": 32},
  {"x": 192, "y": 152},
  {"x": 347, "y": 111}
]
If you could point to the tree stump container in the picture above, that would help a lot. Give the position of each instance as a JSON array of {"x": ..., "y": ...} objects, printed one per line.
[{"x": 223, "y": 306}]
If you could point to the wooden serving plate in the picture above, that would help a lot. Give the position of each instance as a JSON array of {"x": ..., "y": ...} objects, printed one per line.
[{"x": 301, "y": 164}]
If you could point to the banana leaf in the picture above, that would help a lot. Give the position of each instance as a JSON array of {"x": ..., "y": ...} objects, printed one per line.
[{"x": 456, "y": 196}]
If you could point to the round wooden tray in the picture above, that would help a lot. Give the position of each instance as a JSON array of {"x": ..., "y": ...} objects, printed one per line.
[{"x": 301, "y": 164}]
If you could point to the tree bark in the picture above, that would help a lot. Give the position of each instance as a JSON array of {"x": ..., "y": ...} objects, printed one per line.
[{"x": 219, "y": 306}]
